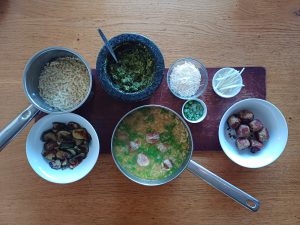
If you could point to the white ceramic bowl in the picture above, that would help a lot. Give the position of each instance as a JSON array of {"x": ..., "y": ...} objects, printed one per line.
[
  {"x": 222, "y": 72},
  {"x": 34, "y": 147},
  {"x": 204, "y": 111},
  {"x": 272, "y": 119}
]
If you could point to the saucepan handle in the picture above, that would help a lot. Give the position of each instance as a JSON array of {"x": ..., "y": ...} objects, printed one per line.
[
  {"x": 17, "y": 125},
  {"x": 228, "y": 189}
]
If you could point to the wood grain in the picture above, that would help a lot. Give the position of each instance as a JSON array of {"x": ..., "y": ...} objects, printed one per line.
[{"x": 220, "y": 33}]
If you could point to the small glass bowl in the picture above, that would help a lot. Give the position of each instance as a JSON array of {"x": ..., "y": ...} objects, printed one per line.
[
  {"x": 204, "y": 110},
  {"x": 202, "y": 70},
  {"x": 223, "y": 72}
]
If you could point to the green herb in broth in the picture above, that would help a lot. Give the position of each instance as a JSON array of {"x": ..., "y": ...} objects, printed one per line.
[
  {"x": 164, "y": 111},
  {"x": 135, "y": 68},
  {"x": 166, "y": 137},
  {"x": 149, "y": 118},
  {"x": 158, "y": 149},
  {"x": 169, "y": 127},
  {"x": 149, "y": 130}
]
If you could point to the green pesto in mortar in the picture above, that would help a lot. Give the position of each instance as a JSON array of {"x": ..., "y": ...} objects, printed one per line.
[{"x": 135, "y": 68}]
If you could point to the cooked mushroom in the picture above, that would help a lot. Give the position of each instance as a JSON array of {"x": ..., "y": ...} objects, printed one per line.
[
  {"x": 60, "y": 155},
  {"x": 57, "y": 126},
  {"x": 51, "y": 145},
  {"x": 65, "y": 163},
  {"x": 73, "y": 163},
  {"x": 76, "y": 160},
  {"x": 67, "y": 144},
  {"x": 48, "y": 135},
  {"x": 73, "y": 125},
  {"x": 83, "y": 148},
  {"x": 80, "y": 156},
  {"x": 78, "y": 141},
  {"x": 49, "y": 155},
  {"x": 67, "y": 155},
  {"x": 62, "y": 149},
  {"x": 55, "y": 164},
  {"x": 72, "y": 151},
  {"x": 64, "y": 135},
  {"x": 81, "y": 134}
]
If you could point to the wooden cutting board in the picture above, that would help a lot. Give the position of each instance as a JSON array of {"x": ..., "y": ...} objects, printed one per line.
[{"x": 104, "y": 112}]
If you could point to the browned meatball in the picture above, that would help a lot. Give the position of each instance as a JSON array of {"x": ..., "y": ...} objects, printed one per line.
[
  {"x": 242, "y": 143},
  {"x": 263, "y": 135},
  {"x": 256, "y": 125},
  {"x": 234, "y": 122},
  {"x": 255, "y": 145},
  {"x": 243, "y": 131},
  {"x": 246, "y": 116}
]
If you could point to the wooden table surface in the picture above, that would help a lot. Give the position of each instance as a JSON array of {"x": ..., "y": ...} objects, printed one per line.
[{"x": 220, "y": 33}]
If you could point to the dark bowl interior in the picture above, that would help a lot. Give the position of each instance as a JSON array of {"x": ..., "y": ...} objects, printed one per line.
[{"x": 105, "y": 78}]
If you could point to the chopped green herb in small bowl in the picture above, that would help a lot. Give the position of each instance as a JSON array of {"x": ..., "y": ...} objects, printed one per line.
[{"x": 194, "y": 110}]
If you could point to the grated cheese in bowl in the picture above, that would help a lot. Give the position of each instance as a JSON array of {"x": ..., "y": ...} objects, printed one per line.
[
  {"x": 64, "y": 83},
  {"x": 187, "y": 78}
]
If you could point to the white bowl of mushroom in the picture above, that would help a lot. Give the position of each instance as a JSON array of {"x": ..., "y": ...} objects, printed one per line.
[
  {"x": 62, "y": 148},
  {"x": 253, "y": 133}
]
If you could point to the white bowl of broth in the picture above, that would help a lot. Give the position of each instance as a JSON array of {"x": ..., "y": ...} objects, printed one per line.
[{"x": 152, "y": 145}]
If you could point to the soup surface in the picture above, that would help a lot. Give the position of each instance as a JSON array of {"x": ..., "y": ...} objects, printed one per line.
[{"x": 151, "y": 143}]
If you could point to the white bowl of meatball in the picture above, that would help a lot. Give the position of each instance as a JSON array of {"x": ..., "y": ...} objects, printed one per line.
[{"x": 253, "y": 133}]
